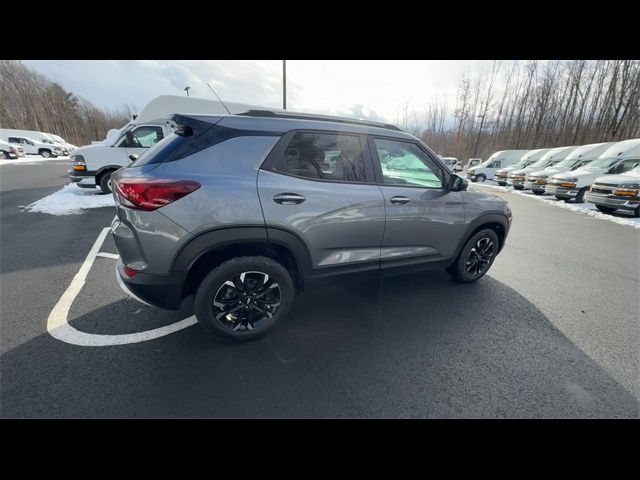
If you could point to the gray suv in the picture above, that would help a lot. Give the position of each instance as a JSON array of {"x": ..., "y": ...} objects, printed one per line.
[{"x": 239, "y": 213}]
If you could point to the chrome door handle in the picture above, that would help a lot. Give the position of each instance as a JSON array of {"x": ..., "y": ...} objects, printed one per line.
[
  {"x": 288, "y": 198},
  {"x": 399, "y": 200}
]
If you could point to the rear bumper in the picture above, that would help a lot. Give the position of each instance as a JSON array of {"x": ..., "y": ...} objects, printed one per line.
[
  {"x": 162, "y": 291},
  {"x": 612, "y": 201}
]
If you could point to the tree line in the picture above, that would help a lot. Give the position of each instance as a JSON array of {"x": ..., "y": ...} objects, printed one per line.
[
  {"x": 30, "y": 101},
  {"x": 533, "y": 104}
]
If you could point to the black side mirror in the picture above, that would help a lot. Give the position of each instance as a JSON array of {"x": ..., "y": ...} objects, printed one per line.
[
  {"x": 133, "y": 157},
  {"x": 457, "y": 184}
]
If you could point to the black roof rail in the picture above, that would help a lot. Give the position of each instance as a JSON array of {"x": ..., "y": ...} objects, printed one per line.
[{"x": 313, "y": 116}]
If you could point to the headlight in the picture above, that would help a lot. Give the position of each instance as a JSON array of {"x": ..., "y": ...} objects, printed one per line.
[
  {"x": 543, "y": 176},
  {"x": 632, "y": 186}
]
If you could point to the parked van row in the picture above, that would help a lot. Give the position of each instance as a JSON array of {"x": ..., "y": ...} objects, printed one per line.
[
  {"x": 36, "y": 143},
  {"x": 605, "y": 174}
]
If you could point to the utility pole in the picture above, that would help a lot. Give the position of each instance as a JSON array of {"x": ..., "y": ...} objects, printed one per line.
[
  {"x": 475, "y": 150},
  {"x": 186, "y": 89},
  {"x": 284, "y": 84}
]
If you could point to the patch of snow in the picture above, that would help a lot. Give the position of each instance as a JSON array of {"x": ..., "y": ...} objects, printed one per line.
[
  {"x": 71, "y": 200},
  {"x": 621, "y": 217}
]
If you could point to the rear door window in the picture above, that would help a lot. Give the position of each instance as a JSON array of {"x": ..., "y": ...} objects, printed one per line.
[{"x": 323, "y": 156}]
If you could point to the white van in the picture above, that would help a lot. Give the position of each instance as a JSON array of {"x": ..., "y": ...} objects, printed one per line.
[
  {"x": 527, "y": 159},
  {"x": 501, "y": 159},
  {"x": 537, "y": 180},
  {"x": 31, "y": 146},
  {"x": 612, "y": 192},
  {"x": 619, "y": 158},
  {"x": 34, "y": 135},
  {"x": 58, "y": 139},
  {"x": 92, "y": 165}
]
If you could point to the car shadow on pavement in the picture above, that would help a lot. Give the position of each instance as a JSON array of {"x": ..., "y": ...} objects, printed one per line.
[{"x": 418, "y": 346}]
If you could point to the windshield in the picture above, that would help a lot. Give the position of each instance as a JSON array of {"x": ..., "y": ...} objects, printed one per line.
[
  {"x": 567, "y": 162},
  {"x": 600, "y": 163},
  {"x": 553, "y": 163},
  {"x": 539, "y": 164}
]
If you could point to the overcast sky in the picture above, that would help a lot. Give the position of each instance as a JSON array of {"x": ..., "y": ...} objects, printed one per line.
[{"x": 366, "y": 88}]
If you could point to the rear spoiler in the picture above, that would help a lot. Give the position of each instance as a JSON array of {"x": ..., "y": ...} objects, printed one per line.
[{"x": 186, "y": 125}]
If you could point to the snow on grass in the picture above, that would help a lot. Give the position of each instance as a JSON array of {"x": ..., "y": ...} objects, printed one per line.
[
  {"x": 621, "y": 217},
  {"x": 71, "y": 200}
]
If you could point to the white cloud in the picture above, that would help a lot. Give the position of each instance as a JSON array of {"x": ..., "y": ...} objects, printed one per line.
[{"x": 373, "y": 89}]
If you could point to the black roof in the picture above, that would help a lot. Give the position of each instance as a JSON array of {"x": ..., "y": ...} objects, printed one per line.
[{"x": 313, "y": 116}]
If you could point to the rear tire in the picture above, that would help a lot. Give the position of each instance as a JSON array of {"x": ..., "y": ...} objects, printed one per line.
[
  {"x": 636, "y": 212},
  {"x": 244, "y": 298},
  {"x": 604, "y": 209},
  {"x": 476, "y": 257},
  {"x": 4, "y": 155},
  {"x": 105, "y": 182},
  {"x": 502, "y": 184},
  {"x": 537, "y": 192}
]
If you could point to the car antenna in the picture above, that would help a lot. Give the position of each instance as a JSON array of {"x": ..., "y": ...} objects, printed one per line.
[{"x": 214, "y": 92}]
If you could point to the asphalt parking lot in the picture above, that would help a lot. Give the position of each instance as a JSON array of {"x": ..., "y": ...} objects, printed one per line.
[{"x": 552, "y": 331}]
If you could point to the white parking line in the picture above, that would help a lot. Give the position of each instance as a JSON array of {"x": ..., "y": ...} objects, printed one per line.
[
  {"x": 59, "y": 328},
  {"x": 108, "y": 255}
]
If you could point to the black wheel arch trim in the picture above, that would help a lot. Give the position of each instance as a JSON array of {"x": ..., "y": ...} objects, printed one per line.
[
  {"x": 477, "y": 223},
  {"x": 209, "y": 240}
]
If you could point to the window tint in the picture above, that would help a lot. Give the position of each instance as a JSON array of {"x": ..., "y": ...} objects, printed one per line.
[
  {"x": 142, "y": 137},
  {"x": 406, "y": 164},
  {"x": 495, "y": 164},
  {"x": 324, "y": 156}
]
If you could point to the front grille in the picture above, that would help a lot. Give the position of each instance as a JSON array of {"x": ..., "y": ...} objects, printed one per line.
[{"x": 602, "y": 191}]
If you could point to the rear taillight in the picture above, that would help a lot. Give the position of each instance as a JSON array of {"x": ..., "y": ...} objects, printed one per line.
[{"x": 150, "y": 194}]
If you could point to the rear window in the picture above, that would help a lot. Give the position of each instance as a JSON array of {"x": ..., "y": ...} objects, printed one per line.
[{"x": 161, "y": 150}]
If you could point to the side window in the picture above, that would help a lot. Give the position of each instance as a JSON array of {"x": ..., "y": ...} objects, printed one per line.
[
  {"x": 142, "y": 137},
  {"x": 405, "y": 164},
  {"x": 629, "y": 164},
  {"x": 325, "y": 156},
  {"x": 14, "y": 140}
]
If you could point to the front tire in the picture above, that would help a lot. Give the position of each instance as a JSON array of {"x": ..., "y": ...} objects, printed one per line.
[
  {"x": 604, "y": 209},
  {"x": 636, "y": 212},
  {"x": 244, "y": 298},
  {"x": 45, "y": 153},
  {"x": 580, "y": 197},
  {"x": 537, "y": 192},
  {"x": 481, "y": 178},
  {"x": 105, "y": 182},
  {"x": 476, "y": 257},
  {"x": 4, "y": 155}
]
